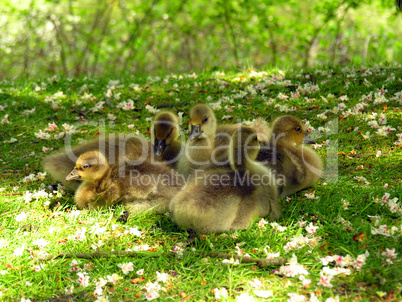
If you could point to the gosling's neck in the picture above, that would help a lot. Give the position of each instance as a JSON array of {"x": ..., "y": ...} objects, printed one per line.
[{"x": 238, "y": 157}]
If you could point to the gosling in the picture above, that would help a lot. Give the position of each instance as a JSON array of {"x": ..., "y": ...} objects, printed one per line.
[
  {"x": 117, "y": 148},
  {"x": 229, "y": 197},
  {"x": 296, "y": 165},
  {"x": 167, "y": 147},
  {"x": 139, "y": 187},
  {"x": 198, "y": 151}
]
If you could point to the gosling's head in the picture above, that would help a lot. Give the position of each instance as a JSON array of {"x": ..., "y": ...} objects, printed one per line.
[
  {"x": 89, "y": 166},
  {"x": 202, "y": 121},
  {"x": 290, "y": 130},
  {"x": 244, "y": 146},
  {"x": 166, "y": 130}
]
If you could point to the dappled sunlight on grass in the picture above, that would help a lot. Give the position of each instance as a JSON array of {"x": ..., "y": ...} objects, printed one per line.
[{"x": 341, "y": 237}]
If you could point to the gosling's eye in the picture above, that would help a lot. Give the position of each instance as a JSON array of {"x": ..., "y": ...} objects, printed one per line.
[
  {"x": 255, "y": 138},
  {"x": 86, "y": 166},
  {"x": 298, "y": 129},
  {"x": 205, "y": 120}
]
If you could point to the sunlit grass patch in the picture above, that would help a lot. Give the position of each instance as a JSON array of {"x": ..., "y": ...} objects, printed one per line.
[{"x": 344, "y": 231}]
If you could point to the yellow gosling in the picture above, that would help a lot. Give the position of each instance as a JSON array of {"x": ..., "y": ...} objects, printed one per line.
[
  {"x": 295, "y": 164},
  {"x": 229, "y": 197},
  {"x": 141, "y": 186}
]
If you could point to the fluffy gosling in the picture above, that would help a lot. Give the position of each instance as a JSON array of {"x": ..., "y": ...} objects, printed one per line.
[
  {"x": 229, "y": 197},
  {"x": 295, "y": 164},
  {"x": 140, "y": 187}
]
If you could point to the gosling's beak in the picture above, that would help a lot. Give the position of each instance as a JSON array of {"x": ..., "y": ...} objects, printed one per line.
[
  {"x": 195, "y": 132},
  {"x": 308, "y": 140},
  {"x": 159, "y": 146},
  {"x": 73, "y": 175}
]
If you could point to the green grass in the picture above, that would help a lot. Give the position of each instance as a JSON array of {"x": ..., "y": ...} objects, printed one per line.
[{"x": 343, "y": 211}]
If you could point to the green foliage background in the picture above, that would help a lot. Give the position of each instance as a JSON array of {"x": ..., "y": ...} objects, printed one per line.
[{"x": 73, "y": 37}]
